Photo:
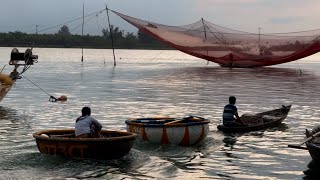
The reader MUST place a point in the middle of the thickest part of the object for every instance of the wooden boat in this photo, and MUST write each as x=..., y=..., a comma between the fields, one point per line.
x=259, y=121
x=165, y=130
x=314, y=150
x=313, y=143
x=112, y=144
x=17, y=59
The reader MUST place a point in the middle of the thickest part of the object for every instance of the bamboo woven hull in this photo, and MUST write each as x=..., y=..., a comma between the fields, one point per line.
x=113, y=145
x=183, y=134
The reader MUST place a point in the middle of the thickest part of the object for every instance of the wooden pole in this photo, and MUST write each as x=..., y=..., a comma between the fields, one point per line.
x=114, y=57
x=82, y=30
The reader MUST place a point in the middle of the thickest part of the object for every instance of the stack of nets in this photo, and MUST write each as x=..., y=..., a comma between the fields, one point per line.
x=5, y=80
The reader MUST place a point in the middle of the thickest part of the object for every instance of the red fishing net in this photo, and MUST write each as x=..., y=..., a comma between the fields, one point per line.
x=229, y=47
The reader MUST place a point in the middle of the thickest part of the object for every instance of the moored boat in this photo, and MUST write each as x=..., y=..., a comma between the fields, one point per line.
x=259, y=121
x=111, y=144
x=164, y=130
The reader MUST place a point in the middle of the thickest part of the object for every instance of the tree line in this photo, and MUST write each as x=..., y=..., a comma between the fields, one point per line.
x=64, y=39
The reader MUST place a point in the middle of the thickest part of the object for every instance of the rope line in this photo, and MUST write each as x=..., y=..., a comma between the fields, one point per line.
x=71, y=21
x=37, y=86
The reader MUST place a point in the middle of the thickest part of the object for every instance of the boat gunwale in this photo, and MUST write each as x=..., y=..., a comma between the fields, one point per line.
x=127, y=136
x=134, y=122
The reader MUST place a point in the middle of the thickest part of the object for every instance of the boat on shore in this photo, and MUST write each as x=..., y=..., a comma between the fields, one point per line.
x=17, y=59
x=111, y=144
x=187, y=131
x=259, y=121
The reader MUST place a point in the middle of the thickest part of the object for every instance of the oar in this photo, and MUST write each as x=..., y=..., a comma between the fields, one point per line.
x=178, y=120
x=298, y=146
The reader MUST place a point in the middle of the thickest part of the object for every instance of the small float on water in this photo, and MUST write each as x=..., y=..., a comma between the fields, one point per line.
x=187, y=131
x=17, y=59
x=259, y=121
x=111, y=144
x=312, y=142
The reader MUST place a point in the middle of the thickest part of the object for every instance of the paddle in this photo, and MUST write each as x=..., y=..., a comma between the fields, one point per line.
x=178, y=120
x=298, y=146
x=193, y=118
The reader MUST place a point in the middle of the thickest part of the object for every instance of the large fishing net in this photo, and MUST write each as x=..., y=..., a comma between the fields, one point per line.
x=229, y=47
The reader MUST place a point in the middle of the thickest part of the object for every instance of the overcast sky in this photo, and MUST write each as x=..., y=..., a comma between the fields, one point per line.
x=246, y=15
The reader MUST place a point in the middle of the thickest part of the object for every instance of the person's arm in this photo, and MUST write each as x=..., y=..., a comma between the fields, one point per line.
x=96, y=123
x=238, y=118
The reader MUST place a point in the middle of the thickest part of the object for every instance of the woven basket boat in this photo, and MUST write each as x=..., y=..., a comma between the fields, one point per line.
x=185, y=132
x=112, y=144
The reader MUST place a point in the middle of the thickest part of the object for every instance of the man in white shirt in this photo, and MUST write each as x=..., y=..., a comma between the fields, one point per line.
x=87, y=126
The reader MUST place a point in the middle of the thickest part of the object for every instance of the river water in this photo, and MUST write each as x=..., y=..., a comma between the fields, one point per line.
x=149, y=83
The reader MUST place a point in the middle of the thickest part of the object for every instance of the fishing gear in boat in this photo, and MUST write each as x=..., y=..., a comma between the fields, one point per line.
x=51, y=97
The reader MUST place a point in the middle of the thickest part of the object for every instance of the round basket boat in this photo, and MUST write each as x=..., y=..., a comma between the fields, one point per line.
x=111, y=144
x=185, y=132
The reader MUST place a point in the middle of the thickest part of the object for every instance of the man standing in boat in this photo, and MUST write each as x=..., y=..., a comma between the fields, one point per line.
x=87, y=126
x=230, y=114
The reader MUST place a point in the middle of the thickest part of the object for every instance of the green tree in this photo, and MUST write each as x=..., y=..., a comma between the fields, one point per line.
x=145, y=38
x=64, y=31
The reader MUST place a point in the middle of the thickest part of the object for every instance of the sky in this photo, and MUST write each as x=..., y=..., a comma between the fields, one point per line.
x=245, y=15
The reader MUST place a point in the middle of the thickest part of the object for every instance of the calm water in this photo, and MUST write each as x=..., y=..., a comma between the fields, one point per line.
x=153, y=83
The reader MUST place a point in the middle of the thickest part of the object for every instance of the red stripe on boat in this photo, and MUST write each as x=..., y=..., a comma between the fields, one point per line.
x=185, y=140
x=144, y=134
x=164, y=139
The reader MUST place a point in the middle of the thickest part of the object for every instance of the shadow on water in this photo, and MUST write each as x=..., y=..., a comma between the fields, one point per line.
x=242, y=73
x=313, y=171
x=62, y=167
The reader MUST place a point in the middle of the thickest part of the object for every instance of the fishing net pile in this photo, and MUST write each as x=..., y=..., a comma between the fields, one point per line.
x=229, y=47
x=6, y=80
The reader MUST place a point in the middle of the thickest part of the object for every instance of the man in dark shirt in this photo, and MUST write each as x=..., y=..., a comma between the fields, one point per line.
x=229, y=111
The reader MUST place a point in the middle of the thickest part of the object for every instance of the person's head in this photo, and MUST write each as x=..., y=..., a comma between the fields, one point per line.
x=232, y=100
x=86, y=111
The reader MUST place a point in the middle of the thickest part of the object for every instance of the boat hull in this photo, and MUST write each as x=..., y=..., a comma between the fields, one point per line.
x=112, y=144
x=4, y=91
x=278, y=115
x=314, y=151
x=181, y=133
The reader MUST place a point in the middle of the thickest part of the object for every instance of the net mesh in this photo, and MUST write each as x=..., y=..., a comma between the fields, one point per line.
x=229, y=47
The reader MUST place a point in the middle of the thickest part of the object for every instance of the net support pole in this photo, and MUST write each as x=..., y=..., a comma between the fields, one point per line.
x=111, y=36
x=204, y=28
x=82, y=30
x=205, y=36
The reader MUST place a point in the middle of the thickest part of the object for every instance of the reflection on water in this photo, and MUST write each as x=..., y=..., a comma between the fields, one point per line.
x=173, y=84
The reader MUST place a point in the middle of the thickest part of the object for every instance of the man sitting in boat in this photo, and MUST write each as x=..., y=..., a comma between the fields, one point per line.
x=87, y=126
x=230, y=111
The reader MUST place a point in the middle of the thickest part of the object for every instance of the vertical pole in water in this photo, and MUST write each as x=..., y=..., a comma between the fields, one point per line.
x=259, y=36
x=205, y=36
x=82, y=30
x=114, y=57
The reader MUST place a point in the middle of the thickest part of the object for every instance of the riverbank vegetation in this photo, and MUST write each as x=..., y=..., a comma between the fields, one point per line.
x=64, y=39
